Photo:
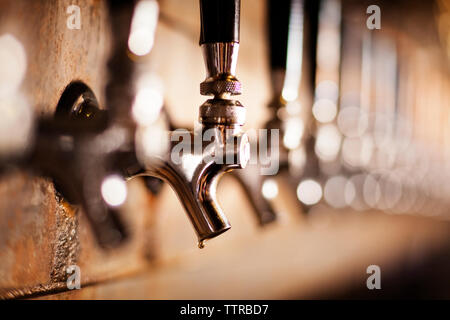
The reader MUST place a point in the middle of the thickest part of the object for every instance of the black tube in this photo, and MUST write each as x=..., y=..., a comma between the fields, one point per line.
x=311, y=11
x=220, y=21
x=278, y=14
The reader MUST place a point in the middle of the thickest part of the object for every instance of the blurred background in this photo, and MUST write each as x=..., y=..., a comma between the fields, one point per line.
x=364, y=150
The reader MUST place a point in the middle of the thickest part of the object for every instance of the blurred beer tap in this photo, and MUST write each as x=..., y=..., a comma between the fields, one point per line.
x=252, y=182
x=76, y=147
x=292, y=37
x=380, y=163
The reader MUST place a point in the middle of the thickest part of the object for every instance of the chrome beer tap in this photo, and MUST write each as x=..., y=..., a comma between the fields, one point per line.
x=249, y=179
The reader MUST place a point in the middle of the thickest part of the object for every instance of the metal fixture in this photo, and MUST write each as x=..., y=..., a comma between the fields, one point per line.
x=250, y=180
x=292, y=33
x=194, y=174
x=91, y=152
x=253, y=185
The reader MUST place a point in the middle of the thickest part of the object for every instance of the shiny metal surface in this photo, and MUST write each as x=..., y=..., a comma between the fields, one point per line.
x=222, y=112
x=194, y=172
x=252, y=182
x=194, y=176
x=250, y=178
x=220, y=58
x=220, y=63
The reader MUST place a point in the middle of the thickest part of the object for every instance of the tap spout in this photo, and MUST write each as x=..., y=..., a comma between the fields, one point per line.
x=197, y=194
x=193, y=167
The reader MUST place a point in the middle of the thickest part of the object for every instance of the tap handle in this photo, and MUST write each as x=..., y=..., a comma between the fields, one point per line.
x=278, y=16
x=219, y=21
